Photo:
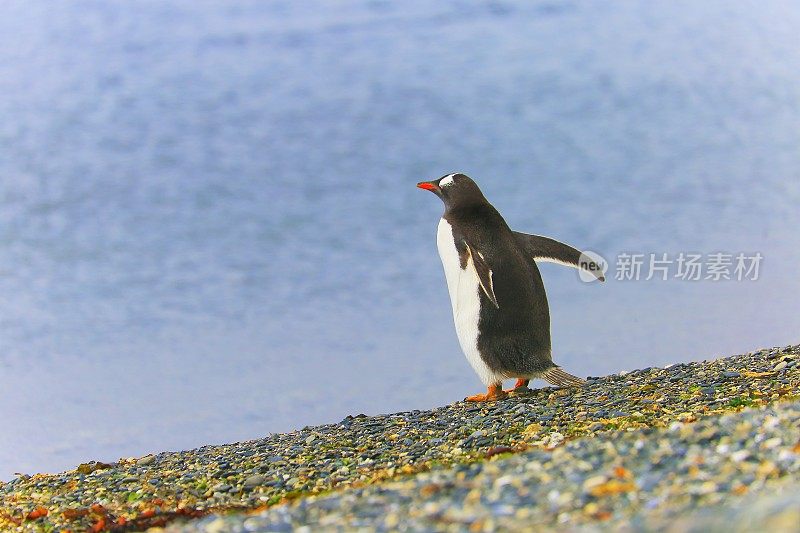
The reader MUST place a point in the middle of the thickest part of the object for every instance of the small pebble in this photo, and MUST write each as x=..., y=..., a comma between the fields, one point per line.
x=254, y=481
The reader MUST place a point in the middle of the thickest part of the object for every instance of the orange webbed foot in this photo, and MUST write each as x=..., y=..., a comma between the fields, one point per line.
x=495, y=392
x=521, y=386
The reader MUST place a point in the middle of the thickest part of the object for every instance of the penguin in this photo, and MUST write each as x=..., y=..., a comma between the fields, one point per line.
x=500, y=308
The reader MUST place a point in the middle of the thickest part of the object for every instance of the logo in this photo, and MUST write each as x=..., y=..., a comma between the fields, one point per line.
x=591, y=266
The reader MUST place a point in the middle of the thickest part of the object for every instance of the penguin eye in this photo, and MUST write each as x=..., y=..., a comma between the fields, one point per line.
x=447, y=180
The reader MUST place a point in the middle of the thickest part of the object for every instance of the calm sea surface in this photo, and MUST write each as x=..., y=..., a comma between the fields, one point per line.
x=209, y=229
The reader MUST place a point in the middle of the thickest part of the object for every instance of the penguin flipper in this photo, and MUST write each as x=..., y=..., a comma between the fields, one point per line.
x=484, y=273
x=546, y=249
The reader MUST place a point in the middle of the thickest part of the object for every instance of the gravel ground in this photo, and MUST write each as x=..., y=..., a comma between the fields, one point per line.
x=774, y=510
x=362, y=453
x=640, y=481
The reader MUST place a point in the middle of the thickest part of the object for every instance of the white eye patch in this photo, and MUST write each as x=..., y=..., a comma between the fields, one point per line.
x=447, y=180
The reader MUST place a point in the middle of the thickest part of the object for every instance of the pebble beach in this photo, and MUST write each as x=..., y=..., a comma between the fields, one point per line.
x=689, y=446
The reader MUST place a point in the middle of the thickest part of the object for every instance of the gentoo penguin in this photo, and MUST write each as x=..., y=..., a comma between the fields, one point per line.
x=499, y=304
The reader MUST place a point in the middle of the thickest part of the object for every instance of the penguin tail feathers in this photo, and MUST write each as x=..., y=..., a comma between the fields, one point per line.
x=559, y=378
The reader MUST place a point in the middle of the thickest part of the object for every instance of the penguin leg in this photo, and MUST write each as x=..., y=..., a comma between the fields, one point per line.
x=494, y=392
x=520, y=384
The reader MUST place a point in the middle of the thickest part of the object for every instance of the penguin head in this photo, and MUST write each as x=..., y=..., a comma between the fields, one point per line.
x=455, y=190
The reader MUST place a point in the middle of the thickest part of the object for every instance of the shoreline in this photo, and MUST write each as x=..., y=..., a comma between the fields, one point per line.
x=362, y=454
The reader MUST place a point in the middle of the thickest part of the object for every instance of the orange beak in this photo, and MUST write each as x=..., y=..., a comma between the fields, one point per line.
x=428, y=186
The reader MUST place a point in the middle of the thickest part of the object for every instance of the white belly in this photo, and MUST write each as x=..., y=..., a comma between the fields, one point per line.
x=464, y=289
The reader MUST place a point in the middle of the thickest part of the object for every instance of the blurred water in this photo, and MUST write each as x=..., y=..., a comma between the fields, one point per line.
x=209, y=228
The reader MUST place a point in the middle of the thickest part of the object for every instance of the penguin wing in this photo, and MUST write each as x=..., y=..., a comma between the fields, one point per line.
x=484, y=272
x=546, y=249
